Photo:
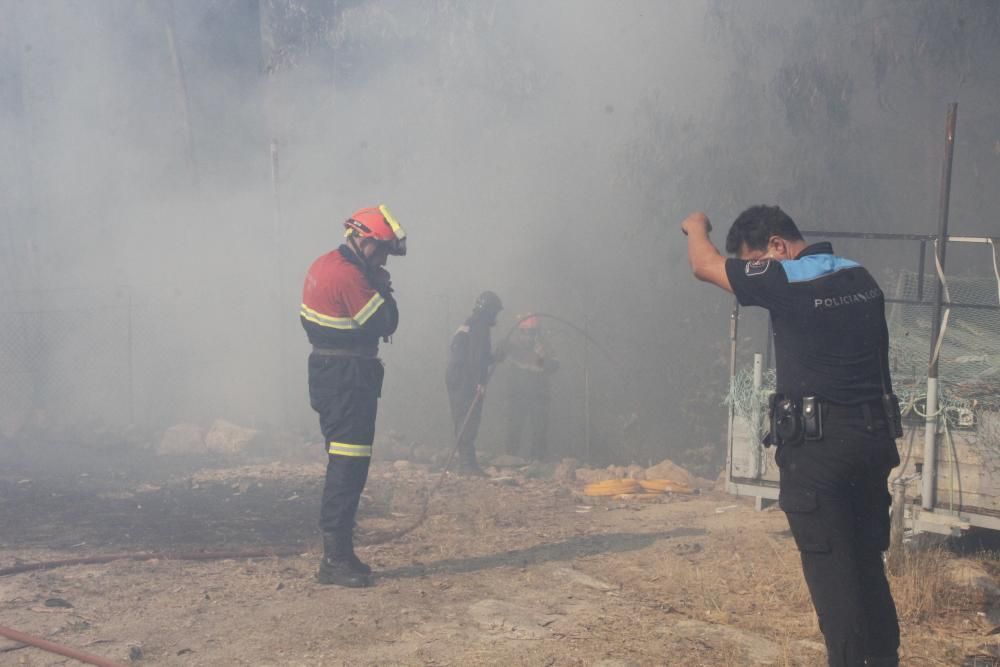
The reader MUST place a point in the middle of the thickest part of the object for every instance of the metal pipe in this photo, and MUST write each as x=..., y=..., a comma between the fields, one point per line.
x=131, y=357
x=758, y=448
x=769, y=346
x=929, y=480
x=871, y=235
x=920, y=271
x=974, y=239
x=734, y=319
x=947, y=304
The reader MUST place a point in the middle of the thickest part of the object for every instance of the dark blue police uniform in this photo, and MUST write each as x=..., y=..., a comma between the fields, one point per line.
x=831, y=342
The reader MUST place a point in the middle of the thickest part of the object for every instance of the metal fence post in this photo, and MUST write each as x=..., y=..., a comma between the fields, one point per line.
x=929, y=481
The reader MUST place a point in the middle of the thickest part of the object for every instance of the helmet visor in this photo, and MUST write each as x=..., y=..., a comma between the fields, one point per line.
x=396, y=246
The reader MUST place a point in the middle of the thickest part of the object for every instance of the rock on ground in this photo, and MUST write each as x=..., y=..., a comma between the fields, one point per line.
x=760, y=650
x=566, y=470
x=582, y=579
x=510, y=619
x=508, y=461
x=667, y=469
x=228, y=438
x=182, y=439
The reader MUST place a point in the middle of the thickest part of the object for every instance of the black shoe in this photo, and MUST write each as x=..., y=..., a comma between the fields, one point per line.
x=358, y=565
x=338, y=552
x=890, y=661
x=340, y=573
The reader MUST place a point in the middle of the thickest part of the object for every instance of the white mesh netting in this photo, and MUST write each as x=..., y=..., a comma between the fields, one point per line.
x=969, y=358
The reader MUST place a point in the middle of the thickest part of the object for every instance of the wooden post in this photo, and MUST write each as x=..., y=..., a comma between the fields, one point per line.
x=268, y=65
x=894, y=559
x=182, y=95
x=586, y=397
x=279, y=267
x=19, y=251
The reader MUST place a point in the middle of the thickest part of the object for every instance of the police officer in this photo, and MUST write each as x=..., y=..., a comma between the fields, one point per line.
x=470, y=355
x=834, y=416
x=347, y=306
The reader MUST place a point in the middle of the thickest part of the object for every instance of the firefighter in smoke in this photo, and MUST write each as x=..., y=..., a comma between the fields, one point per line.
x=531, y=365
x=347, y=306
x=470, y=357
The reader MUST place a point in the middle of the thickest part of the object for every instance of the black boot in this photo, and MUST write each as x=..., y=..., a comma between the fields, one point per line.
x=890, y=661
x=331, y=544
x=468, y=465
x=339, y=565
x=470, y=469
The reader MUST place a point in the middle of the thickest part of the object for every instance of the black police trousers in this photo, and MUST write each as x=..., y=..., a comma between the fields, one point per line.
x=344, y=391
x=834, y=493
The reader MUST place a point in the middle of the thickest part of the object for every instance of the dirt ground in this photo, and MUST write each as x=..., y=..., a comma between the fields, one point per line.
x=506, y=571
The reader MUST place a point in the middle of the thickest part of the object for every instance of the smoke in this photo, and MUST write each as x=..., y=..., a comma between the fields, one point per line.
x=182, y=163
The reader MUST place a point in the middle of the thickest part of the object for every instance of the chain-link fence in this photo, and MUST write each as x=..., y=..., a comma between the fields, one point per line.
x=967, y=460
x=969, y=366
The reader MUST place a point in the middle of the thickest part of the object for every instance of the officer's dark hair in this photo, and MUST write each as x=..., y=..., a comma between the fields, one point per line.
x=756, y=225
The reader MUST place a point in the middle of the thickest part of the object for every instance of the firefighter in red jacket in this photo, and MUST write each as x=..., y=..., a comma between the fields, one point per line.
x=528, y=385
x=347, y=306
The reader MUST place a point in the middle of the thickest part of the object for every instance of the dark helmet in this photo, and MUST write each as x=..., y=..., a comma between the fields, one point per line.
x=488, y=304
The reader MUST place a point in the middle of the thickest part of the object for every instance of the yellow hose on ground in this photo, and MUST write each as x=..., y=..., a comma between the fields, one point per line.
x=664, y=486
x=640, y=496
x=612, y=487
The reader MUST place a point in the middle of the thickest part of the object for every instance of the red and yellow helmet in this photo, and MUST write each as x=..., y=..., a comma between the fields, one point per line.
x=528, y=321
x=377, y=223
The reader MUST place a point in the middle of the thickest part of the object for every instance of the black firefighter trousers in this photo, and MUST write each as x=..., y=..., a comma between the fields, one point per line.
x=835, y=496
x=527, y=401
x=344, y=390
x=461, y=401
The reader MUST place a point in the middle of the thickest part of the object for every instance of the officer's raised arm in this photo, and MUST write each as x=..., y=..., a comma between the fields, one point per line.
x=707, y=263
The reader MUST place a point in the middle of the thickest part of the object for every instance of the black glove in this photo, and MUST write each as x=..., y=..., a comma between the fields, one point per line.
x=381, y=281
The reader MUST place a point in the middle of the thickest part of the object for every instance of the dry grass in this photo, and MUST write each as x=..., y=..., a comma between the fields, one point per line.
x=923, y=589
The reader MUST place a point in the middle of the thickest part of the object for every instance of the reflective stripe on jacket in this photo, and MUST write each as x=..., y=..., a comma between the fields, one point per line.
x=341, y=307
